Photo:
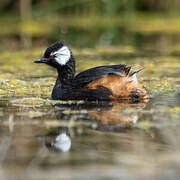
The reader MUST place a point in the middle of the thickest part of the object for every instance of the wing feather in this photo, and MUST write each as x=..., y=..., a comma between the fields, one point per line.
x=92, y=74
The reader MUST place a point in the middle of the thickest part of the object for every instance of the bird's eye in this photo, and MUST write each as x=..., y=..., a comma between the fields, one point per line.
x=51, y=56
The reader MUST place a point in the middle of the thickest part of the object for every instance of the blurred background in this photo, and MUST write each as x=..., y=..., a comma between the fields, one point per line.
x=144, y=24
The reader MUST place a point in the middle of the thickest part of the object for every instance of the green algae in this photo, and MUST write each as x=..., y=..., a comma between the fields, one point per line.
x=32, y=83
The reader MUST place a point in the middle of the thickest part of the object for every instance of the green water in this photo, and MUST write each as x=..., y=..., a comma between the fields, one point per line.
x=102, y=141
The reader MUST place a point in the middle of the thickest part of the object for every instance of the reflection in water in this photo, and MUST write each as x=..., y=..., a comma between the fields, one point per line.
x=126, y=139
x=108, y=116
x=121, y=115
x=60, y=142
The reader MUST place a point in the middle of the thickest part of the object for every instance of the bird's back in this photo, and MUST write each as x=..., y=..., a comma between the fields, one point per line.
x=107, y=83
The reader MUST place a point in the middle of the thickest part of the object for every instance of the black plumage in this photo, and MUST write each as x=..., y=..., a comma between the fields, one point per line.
x=84, y=85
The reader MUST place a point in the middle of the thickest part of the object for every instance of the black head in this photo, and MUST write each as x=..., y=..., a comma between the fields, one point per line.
x=56, y=55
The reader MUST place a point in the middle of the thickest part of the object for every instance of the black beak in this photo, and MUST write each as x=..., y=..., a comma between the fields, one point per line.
x=41, y=60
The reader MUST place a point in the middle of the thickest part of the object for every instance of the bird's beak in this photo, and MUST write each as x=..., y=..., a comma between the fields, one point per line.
x=41, y=60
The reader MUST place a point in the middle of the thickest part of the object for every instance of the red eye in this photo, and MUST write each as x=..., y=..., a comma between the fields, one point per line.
x=51, y=56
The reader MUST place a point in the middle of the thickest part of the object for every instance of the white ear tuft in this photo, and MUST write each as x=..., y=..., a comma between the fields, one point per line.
x=62, y=55
x=134, y=77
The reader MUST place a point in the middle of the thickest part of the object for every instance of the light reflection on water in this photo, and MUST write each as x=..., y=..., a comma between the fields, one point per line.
x=119, y=141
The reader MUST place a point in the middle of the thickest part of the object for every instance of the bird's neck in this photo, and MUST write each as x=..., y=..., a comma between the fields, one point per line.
x=67, y=71
x=65, y=74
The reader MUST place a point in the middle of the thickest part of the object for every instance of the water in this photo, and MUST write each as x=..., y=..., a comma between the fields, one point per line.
x=88, y=141
x=44, y=139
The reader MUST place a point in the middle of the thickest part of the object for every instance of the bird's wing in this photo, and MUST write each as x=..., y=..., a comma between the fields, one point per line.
x=85, y=77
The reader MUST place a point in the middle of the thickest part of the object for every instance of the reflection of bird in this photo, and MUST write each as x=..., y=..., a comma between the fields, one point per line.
x=107, y=116
x=62, y=142
x=59, y=142
x=103, y=116
x=121, y=115
x=103, y=83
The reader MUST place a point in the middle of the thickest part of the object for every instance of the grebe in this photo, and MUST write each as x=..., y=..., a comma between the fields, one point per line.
x=102, y=83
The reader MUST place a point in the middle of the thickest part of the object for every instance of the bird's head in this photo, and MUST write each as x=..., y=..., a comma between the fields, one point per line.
x=56, y=55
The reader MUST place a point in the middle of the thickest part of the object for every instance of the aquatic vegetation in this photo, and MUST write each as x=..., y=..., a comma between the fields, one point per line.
x=23, y=79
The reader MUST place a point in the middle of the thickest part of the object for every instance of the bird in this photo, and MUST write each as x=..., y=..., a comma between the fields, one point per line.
x=102, y=83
